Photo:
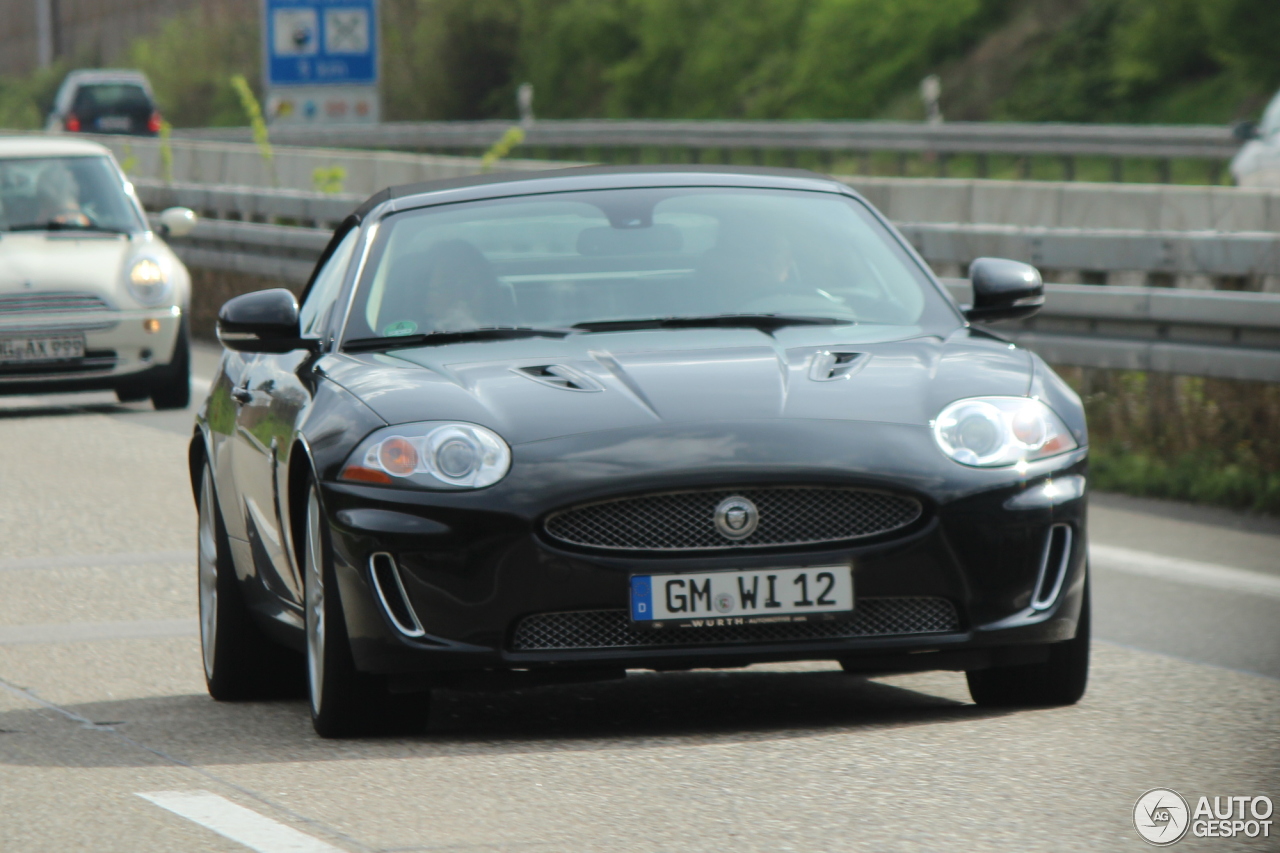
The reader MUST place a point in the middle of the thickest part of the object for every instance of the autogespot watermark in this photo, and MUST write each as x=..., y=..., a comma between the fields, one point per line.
x=1162, y=817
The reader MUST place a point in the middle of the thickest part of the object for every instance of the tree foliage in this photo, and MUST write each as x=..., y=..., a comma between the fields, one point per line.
x=191, y=59
x=1152, y=60
x=1049, y=60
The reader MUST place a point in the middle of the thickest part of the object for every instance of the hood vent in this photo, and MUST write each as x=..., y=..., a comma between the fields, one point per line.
x=559, y=376
x=828, y=366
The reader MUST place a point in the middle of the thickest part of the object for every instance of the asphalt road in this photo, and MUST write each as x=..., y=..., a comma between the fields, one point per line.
x=102, y=701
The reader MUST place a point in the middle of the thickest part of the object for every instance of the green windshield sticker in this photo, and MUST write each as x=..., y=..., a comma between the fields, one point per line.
x=402, y=327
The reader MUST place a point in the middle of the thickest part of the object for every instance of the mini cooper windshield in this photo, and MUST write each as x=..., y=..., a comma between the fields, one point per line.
x=617, y=260
x=64, y=193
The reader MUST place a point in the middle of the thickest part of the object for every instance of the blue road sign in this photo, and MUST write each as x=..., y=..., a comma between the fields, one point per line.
x=321, y=42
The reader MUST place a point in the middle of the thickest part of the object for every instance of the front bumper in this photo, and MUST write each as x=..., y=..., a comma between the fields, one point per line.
x=119, y=349
x=475, y=577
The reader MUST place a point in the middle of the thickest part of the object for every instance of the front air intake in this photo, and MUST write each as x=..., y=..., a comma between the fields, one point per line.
x=390, y=589
x=1053, y=566
x=686, y=521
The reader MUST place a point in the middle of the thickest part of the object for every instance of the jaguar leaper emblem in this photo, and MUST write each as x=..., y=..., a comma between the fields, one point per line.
x=736, y=517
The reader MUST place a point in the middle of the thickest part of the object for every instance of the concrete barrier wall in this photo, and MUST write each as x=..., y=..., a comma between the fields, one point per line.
x=1139, y=207
x=1147, y=207
x=239, y=163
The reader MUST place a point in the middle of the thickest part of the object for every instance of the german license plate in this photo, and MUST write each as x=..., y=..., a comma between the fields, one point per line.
x=114, y=123
x=713, y=599
x=41, y=348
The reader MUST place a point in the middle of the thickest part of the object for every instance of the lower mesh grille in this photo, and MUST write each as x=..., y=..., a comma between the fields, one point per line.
x=611, y=629
x=45, y=303
x=93, y=361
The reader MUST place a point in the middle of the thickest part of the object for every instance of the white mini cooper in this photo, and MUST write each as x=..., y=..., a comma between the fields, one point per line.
x=90, y=297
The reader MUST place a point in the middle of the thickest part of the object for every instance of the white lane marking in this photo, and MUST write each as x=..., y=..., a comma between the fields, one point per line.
x=1178, y=570
x=94, y=561
x=84, y=632
x=238, y=823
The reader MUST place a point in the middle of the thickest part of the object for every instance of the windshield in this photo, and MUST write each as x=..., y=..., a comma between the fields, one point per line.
x=50, y=193
x=95, y=98
x=563, y=260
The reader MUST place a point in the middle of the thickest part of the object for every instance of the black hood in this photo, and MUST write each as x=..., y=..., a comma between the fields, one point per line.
x=535, y=389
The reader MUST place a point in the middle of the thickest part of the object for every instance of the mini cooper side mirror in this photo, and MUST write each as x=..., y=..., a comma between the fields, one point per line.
x=177, y=222
x=1243, y=131
x=1004, y=290
x=263, y=321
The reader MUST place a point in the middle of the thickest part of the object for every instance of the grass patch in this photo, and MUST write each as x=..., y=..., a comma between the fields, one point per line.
x=1211, y=441
x=1207, y=477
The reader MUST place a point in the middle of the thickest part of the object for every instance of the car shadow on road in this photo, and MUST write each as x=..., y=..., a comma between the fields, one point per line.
x=643, y=711
x=15, y=411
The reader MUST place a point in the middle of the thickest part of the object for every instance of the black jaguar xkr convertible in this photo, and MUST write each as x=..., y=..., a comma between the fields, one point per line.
x=552, y=427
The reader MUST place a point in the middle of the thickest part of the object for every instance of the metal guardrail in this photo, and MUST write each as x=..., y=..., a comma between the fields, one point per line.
x=1200, y=333
x=1214, y=253
x=1191, y=332
x=251, y=204
x=282, y=252
x=1200, y=141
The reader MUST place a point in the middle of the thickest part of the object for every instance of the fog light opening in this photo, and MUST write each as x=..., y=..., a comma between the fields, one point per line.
x=391, y=592
x=1053, y=566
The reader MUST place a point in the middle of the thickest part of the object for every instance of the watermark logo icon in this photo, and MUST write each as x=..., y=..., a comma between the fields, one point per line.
x=1161, y=816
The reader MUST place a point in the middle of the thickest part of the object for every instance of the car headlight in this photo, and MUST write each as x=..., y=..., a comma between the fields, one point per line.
x=147, y=281
x=430, y=454
x=988, y=432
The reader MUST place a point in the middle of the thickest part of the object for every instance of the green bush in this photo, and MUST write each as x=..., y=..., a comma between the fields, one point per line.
x=1206, y=440
x=192, y=75
x=25, y=102
x=1210, y=477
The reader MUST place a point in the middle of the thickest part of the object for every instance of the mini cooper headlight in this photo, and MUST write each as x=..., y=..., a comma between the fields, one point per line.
x=429, y=454
x=988, y=432
x=147, y=281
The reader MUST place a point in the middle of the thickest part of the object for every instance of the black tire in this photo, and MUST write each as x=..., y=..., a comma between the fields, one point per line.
x=174, y=390
x=1061, y=680
x=239, y=661
x=344, y=701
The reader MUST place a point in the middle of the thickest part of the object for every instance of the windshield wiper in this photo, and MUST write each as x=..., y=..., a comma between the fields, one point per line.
x=767, y=323
x=66, y=226
x=496, y=333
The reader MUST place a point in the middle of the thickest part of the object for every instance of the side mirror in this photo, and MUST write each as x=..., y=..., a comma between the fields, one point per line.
x=263, y=321
x=1244, y=131
x=1004, y=290
x=177, y=222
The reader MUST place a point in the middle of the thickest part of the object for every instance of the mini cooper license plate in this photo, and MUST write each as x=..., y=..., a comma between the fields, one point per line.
x=713, y=599
x=41, y=348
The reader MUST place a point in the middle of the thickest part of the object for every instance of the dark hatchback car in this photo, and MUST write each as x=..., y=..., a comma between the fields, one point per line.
x=115, y=101
x=553, y=427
